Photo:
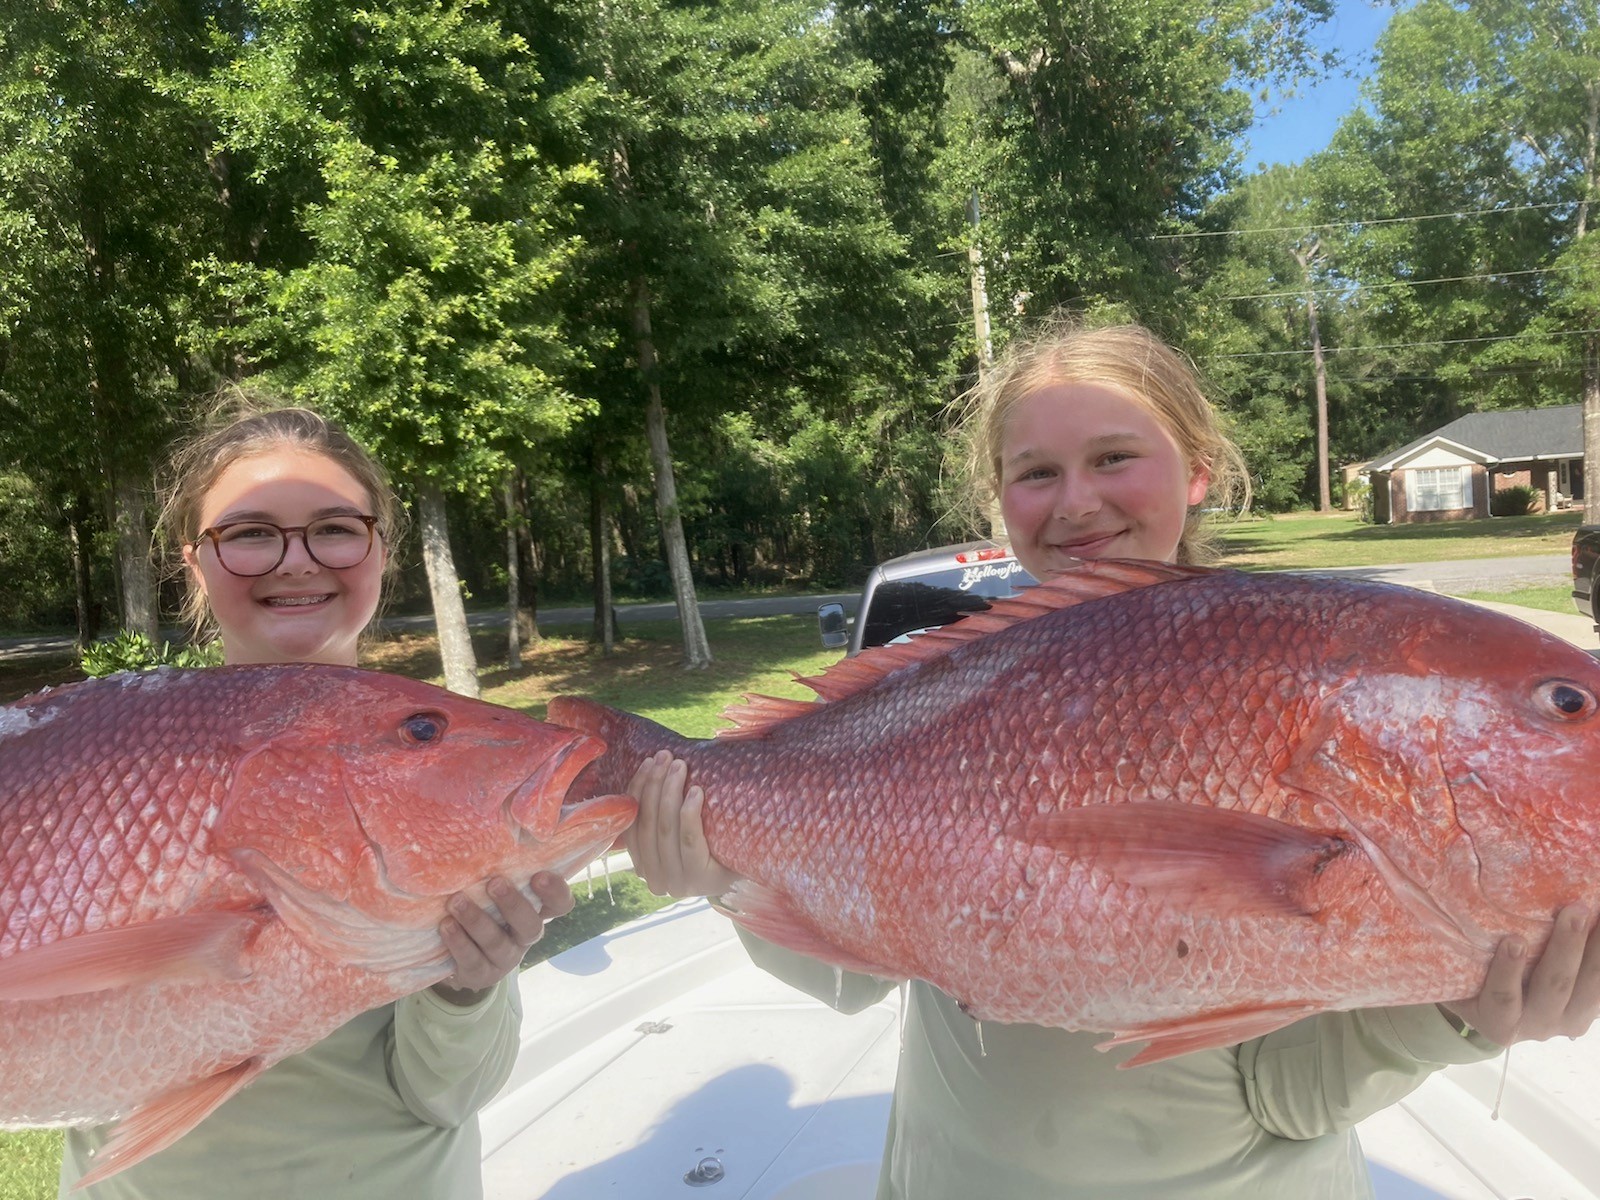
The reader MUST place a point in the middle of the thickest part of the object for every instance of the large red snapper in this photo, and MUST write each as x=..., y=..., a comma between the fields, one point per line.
x=1179, y=805
x=203, y=872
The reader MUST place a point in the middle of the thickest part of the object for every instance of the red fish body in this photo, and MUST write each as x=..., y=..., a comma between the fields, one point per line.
x=1179, y=805
x=203, y=872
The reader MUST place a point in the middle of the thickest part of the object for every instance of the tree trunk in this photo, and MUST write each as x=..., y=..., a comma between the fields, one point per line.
x=449, y=613
x=135, y=568
x=513, y=580
x=1591, y=430
x=696, y=649
x=82, y=603
x=600, y=555
x=1319, y=370
x=1591, y=344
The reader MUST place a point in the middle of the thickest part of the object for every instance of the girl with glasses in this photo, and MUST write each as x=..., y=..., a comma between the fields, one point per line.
x=286, y=526
x=1100, y=444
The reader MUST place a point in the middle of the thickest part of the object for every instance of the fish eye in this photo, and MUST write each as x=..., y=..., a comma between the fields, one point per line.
x=421, y=728
x=1566, y=700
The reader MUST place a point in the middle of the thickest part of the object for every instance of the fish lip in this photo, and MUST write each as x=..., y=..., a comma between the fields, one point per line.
x=531, y=821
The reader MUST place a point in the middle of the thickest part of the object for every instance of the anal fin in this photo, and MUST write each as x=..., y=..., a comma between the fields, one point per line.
x=156, y=1125
x=1169, y=1039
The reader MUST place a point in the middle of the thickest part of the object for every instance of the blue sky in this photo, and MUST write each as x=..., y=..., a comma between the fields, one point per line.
x=1304, y=124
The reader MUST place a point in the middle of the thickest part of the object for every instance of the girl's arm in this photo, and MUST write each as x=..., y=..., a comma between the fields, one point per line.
x=1326, y=1073
x=452, y=1046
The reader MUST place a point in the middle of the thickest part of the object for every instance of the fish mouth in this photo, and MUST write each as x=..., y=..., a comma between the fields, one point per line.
x=531, y=815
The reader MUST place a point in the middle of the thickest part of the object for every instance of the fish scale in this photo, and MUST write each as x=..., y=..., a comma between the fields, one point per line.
x=1166, y=803
x=203, y=872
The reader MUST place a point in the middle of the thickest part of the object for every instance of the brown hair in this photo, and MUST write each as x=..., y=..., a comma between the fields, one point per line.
x=243, y=425
x=1130, y=360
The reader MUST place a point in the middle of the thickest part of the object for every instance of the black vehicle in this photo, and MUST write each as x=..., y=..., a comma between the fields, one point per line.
x=922, y=590
x=1586, y=570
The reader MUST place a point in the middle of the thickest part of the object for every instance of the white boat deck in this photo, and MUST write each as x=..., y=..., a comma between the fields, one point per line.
x=659, y=1046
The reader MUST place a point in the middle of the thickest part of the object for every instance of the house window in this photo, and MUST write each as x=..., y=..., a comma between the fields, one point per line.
x=1436, y=489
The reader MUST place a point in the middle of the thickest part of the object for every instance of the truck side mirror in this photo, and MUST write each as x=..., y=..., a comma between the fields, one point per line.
x=834, y=626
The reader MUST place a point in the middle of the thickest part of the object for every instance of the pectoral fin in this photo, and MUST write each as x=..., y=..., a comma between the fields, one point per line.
x=193, y=948
x=1230, y=863
x=156, y=1125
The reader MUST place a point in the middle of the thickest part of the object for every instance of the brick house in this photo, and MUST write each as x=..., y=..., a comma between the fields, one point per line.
x=1454, y=472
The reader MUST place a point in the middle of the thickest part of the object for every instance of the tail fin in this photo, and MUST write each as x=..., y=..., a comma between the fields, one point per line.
x=629, y=740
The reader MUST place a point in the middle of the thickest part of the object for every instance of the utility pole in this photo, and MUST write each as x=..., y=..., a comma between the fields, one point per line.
x=980, y=295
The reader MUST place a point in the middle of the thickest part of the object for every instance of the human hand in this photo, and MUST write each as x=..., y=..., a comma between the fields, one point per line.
x=667, y=841
x=486, y=950
x=1559, y=995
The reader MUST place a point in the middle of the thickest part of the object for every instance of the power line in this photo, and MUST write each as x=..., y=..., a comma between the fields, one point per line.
x=1373, y=287
x=1512, y=337
x=1471, y=212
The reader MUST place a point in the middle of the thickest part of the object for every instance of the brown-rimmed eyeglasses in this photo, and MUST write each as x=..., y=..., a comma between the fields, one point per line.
x=251, y=548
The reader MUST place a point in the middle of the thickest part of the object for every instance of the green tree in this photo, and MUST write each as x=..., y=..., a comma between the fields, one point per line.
x=421, y=315
x=1477, y=147
x=1090, y=129
x=741, y=245
x=105, y=197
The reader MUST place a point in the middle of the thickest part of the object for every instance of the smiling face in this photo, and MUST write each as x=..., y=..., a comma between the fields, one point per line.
x=300, y=611
x=1086, y=472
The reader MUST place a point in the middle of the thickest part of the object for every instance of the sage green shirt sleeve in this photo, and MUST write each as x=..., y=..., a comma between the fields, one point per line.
x=843, y=990
x=1326, y=1073
x=447, y=1061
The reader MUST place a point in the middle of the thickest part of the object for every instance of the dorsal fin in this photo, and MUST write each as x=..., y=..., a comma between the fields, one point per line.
x=760, y=713
x=1093, y=580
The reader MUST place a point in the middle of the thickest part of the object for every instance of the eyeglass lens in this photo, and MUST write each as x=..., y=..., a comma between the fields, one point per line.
x=254, y=548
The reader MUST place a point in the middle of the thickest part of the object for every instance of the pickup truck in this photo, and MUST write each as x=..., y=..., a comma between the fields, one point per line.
x=1586, y=570
x=923, y=590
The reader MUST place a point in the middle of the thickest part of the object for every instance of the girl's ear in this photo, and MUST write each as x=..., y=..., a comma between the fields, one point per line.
x=191, y=563
x=1199, y=482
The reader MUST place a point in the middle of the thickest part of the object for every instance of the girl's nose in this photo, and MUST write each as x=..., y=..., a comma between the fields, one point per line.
x=297, y=558
x=1076, y=498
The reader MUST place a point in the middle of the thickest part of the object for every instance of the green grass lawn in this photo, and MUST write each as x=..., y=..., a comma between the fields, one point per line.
x=29, y=1164
x=1342, y=540
x=1555, y=598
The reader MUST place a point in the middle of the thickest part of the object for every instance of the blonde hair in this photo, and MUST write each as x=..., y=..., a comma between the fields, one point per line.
x=243, y=425
x=1130, y=360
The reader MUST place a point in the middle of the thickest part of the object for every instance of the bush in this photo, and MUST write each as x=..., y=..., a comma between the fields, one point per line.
x=130, y=651
x=1516, y=501
x=1360, y=491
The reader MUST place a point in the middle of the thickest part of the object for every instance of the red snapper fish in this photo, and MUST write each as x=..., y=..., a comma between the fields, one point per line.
x=203, y=872
x=1183, y=806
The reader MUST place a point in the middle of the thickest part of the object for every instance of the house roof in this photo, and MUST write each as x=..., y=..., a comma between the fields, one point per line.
x=1502, y=435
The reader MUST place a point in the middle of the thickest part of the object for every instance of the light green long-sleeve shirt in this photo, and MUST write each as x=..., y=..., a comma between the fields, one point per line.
x=1030, y=1113
x=385, y=1107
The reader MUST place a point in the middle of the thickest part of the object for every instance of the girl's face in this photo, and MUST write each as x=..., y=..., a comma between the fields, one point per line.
x=300, y=611
x=1086, y=472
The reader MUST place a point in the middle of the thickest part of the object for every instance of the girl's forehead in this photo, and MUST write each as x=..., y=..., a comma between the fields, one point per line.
x=286, y=480
x=1089, y=408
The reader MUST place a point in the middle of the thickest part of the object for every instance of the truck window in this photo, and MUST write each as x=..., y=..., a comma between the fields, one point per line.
x=933, y=598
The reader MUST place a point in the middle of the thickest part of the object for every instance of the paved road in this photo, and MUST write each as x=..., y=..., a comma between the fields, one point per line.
x=760, y=606
x=1491, y=574
x=1486, y=573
